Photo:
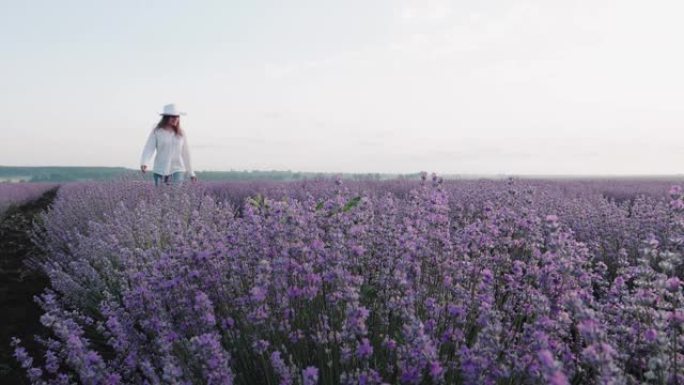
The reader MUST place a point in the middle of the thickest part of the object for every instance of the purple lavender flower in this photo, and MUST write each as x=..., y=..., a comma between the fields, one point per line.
x=364, y=350
x=310, y=375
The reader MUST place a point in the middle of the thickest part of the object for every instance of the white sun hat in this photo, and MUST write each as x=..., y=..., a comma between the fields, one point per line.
x=172, y=110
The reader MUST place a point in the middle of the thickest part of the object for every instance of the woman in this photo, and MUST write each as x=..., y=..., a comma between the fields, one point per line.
x=171, y=145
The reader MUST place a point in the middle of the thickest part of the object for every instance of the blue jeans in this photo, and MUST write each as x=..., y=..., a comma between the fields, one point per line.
x=175, y=178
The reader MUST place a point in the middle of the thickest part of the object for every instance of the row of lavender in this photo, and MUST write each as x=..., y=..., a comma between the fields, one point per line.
x=476, y=282
x=12, y=194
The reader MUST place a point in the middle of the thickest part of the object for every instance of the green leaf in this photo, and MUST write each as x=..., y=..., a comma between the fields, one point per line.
x=351, y=204
x=258, y=201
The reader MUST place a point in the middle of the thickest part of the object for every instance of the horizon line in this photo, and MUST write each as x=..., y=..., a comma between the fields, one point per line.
x=443, y=175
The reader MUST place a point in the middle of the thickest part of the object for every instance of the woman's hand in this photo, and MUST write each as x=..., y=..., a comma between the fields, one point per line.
x=143, y=168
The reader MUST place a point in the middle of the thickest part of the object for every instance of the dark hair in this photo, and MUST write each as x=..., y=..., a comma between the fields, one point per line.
x=165, y=122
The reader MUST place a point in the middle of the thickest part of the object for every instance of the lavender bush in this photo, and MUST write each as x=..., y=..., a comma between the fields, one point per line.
x=19, y=193
x=324, y=282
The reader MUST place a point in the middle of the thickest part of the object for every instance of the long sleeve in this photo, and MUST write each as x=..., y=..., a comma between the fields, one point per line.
x=148, y=151
x=185, y=153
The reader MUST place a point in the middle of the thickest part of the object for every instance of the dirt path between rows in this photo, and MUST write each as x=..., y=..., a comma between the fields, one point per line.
x=19, y=314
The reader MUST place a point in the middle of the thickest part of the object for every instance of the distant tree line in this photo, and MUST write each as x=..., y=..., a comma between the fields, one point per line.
x=74, y=174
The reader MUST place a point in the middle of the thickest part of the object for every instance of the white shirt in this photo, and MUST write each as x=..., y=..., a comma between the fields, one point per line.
x=173, y=154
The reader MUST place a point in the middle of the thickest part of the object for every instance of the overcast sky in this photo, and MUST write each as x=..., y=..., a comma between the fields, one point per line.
x=486, y=86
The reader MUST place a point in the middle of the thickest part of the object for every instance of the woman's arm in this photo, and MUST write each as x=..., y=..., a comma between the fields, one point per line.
x=185, y=153
x=148, y=151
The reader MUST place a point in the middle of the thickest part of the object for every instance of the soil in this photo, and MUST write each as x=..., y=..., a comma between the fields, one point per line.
x=19, y=283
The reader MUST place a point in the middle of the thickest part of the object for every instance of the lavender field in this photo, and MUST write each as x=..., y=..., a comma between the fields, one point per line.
x=339, y=282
